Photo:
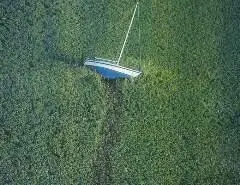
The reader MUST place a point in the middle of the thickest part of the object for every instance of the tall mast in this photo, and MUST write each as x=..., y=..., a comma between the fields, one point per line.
x=129, y=28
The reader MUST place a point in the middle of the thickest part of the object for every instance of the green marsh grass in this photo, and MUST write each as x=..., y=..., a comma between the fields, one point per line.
x=176, y=124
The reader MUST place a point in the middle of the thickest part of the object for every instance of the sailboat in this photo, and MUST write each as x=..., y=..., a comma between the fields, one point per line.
x=110, y=69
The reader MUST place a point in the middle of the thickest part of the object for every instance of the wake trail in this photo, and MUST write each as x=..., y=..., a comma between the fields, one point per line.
x=110, y=135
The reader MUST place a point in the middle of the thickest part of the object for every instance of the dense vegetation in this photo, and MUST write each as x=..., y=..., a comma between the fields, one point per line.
x=179, y=123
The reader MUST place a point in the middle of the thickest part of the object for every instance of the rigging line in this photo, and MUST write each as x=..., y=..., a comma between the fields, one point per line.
x=139, y=33
x=125, y=41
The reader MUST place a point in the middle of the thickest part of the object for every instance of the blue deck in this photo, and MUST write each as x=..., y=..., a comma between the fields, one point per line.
x=108, y=73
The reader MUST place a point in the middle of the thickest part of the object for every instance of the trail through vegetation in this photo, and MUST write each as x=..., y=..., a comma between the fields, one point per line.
x=109, y=135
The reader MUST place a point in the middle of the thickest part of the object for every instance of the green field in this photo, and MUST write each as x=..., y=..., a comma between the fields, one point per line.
x=179, y=123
